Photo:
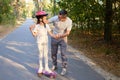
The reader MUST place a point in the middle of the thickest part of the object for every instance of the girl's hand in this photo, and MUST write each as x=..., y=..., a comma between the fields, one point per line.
x=31, y=29
x=34, y=34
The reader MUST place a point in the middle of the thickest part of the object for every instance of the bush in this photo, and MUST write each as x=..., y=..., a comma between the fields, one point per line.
x=7, y=12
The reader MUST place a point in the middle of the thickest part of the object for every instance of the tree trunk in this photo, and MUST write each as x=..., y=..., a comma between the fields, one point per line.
x=108, y=21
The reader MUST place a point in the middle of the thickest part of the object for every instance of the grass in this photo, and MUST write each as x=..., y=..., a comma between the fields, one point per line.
x=94, y=47
x=7, y=28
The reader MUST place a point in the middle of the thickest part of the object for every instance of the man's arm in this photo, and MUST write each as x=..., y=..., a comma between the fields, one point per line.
x=52, y=19
x=64, y=35
x=67, y=31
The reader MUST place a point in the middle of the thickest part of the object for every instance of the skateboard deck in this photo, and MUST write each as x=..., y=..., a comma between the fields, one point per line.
x=50, y=75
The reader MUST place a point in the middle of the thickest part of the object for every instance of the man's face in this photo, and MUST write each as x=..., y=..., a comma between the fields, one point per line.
x=62, y=17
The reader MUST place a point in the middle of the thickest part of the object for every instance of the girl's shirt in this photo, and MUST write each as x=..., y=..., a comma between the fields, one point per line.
x=42, y=35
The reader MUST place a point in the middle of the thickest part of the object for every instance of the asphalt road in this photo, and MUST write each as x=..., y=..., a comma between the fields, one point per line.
x=19, y=59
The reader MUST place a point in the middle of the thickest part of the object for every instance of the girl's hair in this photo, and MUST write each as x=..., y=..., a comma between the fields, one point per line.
x=40, y=19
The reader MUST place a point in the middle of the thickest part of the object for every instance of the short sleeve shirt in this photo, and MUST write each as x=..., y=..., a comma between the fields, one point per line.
x=41, y=32
x=59, y=26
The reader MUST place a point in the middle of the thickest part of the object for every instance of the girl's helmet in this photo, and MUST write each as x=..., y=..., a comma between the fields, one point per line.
x=41, y=13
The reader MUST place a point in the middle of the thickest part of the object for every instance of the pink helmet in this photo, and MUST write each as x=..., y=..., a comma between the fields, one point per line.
x=41, y=13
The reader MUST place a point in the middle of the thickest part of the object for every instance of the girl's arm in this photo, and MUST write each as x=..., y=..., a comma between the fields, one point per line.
x=32, y=29
x=51, y=34
x=49, y=31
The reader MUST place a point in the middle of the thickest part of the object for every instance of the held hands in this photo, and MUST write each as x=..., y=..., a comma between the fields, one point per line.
x=57, y=36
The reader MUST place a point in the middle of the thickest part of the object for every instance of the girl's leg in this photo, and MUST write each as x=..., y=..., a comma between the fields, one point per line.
x=40, y=48
x=46, y=57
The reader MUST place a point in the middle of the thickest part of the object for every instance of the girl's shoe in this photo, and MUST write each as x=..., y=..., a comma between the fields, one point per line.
x=39, y=74
x=48, y=70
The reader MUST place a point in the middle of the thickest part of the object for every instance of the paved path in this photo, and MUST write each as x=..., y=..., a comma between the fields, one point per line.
x=19, y=59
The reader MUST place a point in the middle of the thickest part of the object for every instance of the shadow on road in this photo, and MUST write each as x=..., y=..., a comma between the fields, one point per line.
x=19, y=59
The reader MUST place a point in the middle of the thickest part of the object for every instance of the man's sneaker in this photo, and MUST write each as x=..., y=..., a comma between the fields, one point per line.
x=54, y=68
x=63, y=71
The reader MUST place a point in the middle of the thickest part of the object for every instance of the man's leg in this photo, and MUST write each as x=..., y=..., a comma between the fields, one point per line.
x=54, y=49
x=63, y=48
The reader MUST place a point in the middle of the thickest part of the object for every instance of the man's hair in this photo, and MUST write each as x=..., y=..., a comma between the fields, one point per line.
x=63, y=12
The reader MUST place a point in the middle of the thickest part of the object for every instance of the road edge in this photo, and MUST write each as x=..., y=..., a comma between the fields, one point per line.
x=88, y=61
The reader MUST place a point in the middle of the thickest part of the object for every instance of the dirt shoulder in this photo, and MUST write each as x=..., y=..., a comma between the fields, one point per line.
x=4, y=30
x=104, y=55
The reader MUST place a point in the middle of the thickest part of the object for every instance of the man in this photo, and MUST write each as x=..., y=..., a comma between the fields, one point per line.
x=62, y=27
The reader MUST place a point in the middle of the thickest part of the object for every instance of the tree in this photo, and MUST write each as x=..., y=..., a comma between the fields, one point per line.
x=108, y=21
x=6, y=12
x=94, y=17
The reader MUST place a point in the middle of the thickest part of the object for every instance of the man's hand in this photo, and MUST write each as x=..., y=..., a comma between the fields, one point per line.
x=58, y=36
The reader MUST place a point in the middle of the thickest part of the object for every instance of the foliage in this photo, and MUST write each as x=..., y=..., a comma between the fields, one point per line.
x=84, y=13
x=10, y=10
x=6, y=13
x=89, y=15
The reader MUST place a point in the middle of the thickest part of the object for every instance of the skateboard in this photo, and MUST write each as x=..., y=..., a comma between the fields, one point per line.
x=50, y=75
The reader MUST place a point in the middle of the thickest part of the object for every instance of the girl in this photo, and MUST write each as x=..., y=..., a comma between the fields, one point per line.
x=40, y=32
